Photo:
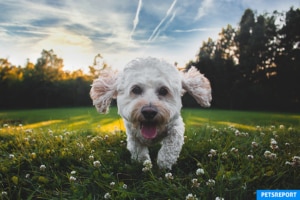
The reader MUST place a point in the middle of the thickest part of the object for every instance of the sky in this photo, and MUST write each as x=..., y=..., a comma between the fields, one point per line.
x=120, y=30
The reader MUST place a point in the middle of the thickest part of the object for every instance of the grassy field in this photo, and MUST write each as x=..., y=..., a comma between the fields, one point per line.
x=76, y=153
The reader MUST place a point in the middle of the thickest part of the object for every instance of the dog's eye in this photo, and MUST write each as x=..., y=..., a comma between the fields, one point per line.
x=163, y=91
x=136, y=90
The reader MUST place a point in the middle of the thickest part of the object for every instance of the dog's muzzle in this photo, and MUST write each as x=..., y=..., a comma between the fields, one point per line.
x=149, y=126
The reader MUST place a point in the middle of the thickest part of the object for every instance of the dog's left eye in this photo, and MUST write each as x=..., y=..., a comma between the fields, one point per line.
x=163, y=91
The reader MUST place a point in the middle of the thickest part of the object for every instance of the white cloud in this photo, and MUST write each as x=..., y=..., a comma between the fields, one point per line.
x=204, y=8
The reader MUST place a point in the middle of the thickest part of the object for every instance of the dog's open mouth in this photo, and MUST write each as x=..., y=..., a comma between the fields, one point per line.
x=149, y=130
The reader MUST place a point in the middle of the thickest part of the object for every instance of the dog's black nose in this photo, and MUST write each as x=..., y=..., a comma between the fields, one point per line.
x=149, y=112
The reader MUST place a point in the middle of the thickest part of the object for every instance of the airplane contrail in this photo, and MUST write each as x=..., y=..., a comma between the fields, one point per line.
x=156, y=30
x=136, y=19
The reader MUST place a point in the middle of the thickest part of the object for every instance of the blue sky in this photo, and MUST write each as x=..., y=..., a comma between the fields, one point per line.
x=120, y=30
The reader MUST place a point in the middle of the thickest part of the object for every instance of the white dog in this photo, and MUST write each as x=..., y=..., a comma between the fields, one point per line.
x=148, y=94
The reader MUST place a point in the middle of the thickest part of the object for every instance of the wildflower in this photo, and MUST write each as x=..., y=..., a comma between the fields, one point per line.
x=273, y=144
x=27, y=175
x=112, y=184
x=169, y=176
x=106, y=137
x=4, y=193
x=73, y=172
x=107, y=196
x=195, y=182
x=213, y=152
x=72, y=178
x=147, y=165
x=254, y=144
x=234, y=150
x=42, y=167
x=191, y=197
x=211, y=182
x=199, y=171
x=97, y=163
x=91, y=157
x=5, y=126
x=287, y=144
x=224, y=155
x=33, y=155
x=219, y=198
x=28, y=131
x=296, y=161
x=281, y=126
x=11, y=156
x=269, y=155
x=250, y=157
x=124, y=186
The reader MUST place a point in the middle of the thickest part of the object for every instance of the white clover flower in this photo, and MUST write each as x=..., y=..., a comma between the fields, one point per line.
x=112, y=184
x=97, y=163
x=42, y=167
x=107, y=196
x=269, y=155
x=281, y=126
x=72, y=178
x=273, y=143
x=147, y=165
x=210, y=182
x=11, y=156
x=91, y=157
x=73, y=172
x=191, y=197
x=254, y=144
x=213, y=152
x=224, y=155
x=124, y=186
x=169, y=176
x=195, y=182
x=3, y=193
x=250, y=157
x=234, y=150
x=199, y=171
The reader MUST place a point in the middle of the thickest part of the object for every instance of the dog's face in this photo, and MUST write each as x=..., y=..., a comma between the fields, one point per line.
x=148, y=93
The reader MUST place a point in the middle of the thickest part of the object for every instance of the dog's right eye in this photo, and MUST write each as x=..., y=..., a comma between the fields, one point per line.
x=136, y=90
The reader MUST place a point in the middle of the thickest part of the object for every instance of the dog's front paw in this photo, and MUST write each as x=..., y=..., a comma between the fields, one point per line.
x=164, y=162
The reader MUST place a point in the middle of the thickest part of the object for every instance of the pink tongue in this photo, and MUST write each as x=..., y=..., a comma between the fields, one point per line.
x=149, y=131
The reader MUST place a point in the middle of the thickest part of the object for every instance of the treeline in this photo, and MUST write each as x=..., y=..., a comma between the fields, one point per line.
x=253, y=66
x=44, y=84
x=257, y=65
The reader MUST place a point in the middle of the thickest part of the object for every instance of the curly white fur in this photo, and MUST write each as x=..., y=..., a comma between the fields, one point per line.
x=148, y=94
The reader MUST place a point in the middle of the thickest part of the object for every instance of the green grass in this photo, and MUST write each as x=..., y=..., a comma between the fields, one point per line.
x=230, y=146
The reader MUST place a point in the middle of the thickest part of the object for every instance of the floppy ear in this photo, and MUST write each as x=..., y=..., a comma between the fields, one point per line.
x=198, y=86
x=104, y=89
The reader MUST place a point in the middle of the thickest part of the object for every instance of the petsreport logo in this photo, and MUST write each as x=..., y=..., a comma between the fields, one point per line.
x=278, y=194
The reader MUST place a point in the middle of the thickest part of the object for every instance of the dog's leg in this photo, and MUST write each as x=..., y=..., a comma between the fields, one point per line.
x=138, y=151
x=171, y=145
